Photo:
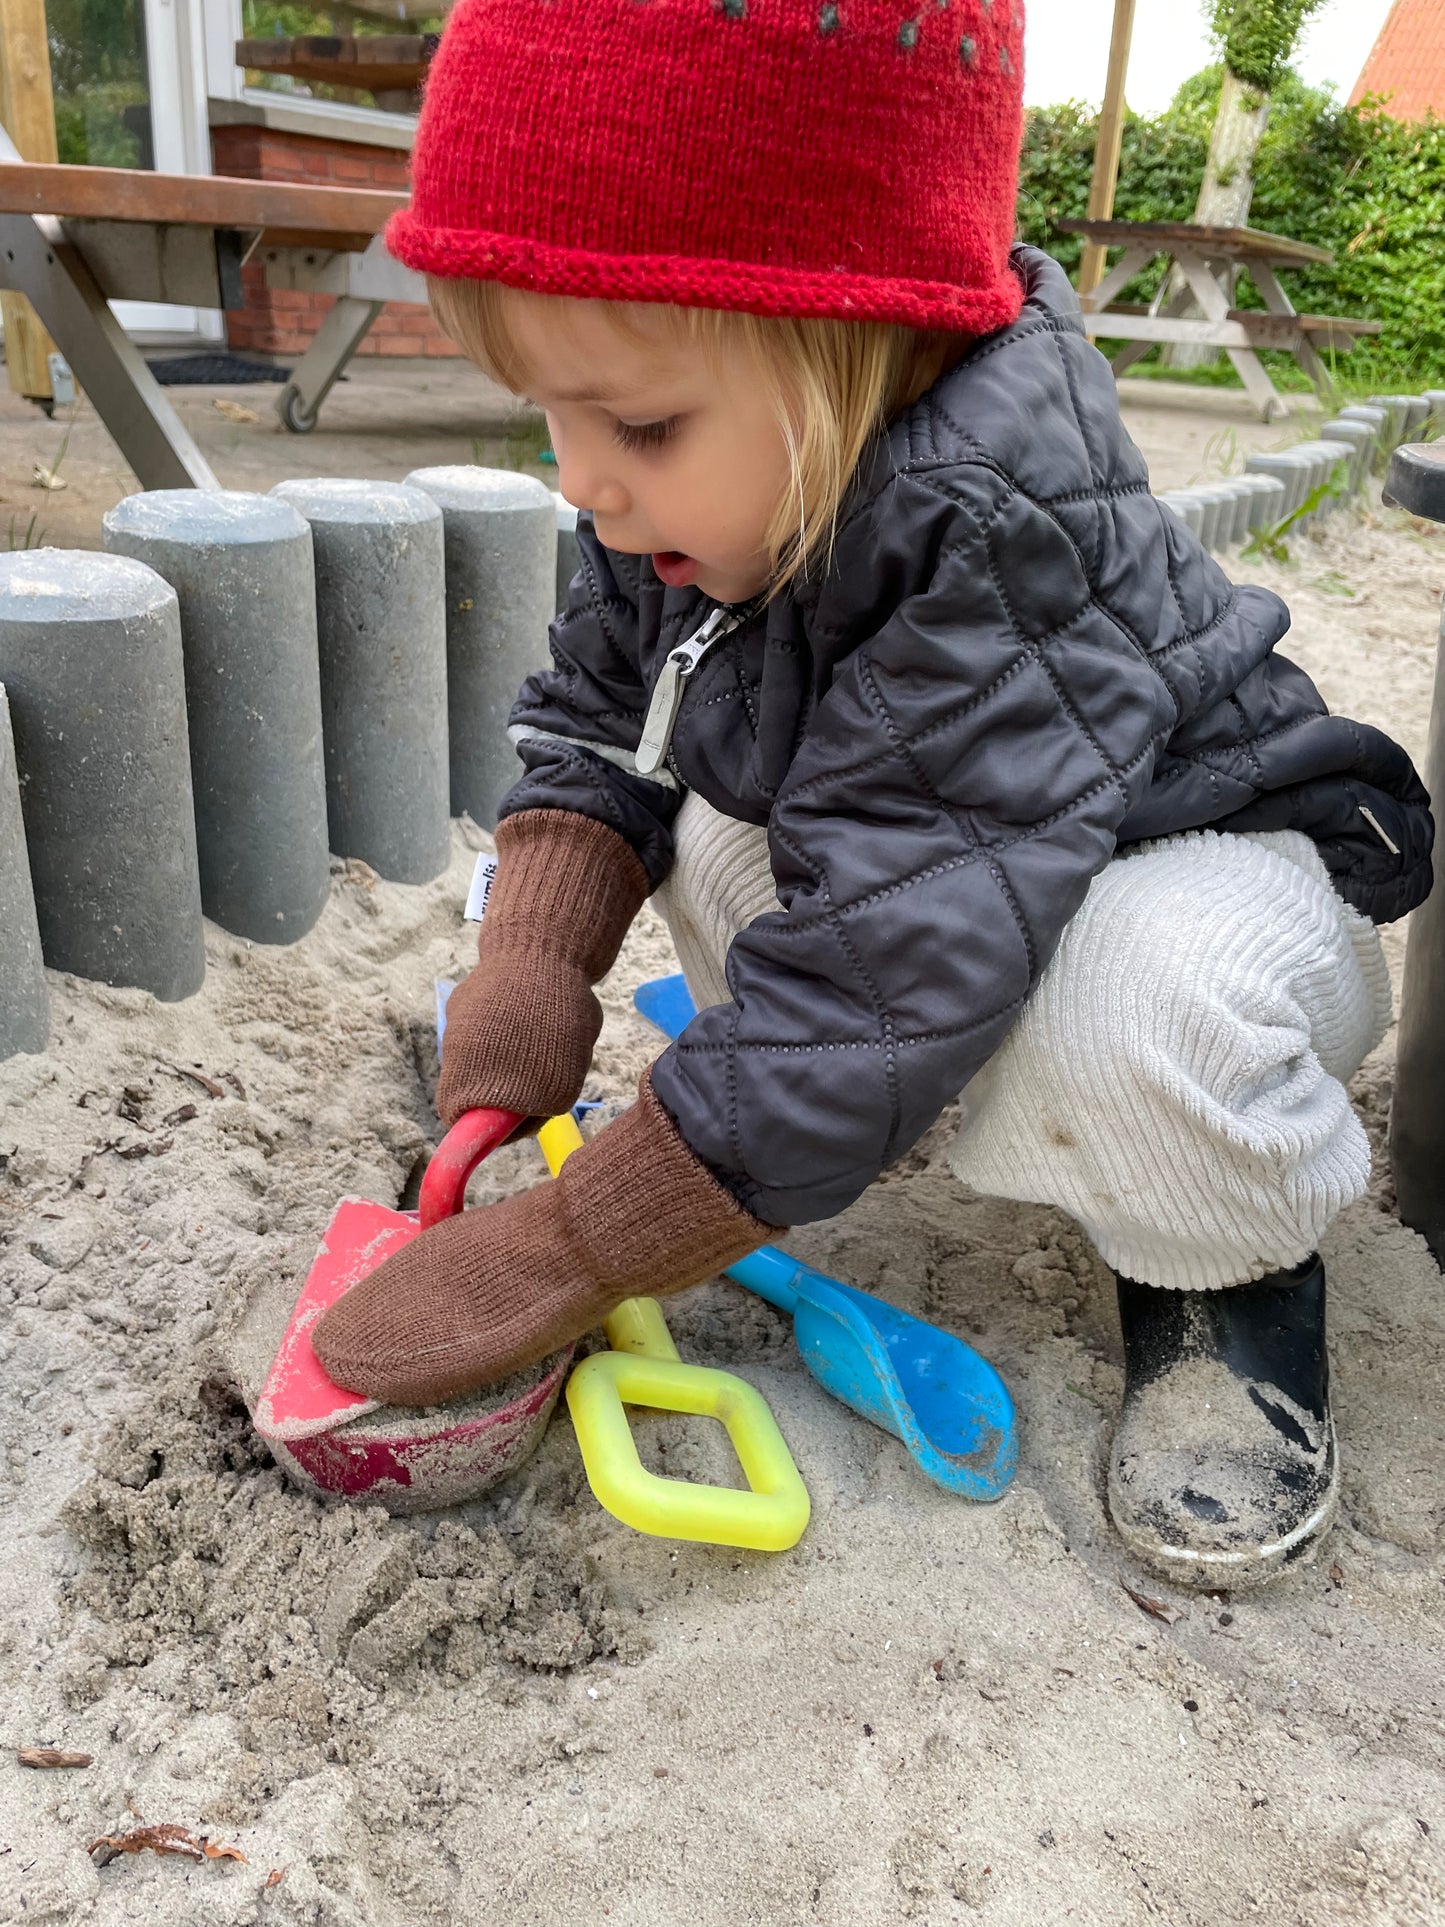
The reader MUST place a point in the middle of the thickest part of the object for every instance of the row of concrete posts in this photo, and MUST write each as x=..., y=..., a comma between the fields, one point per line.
x=1312, y=479
x=241, y=686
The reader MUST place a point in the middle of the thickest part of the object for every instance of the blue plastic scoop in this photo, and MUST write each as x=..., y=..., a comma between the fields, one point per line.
x=949, y=1407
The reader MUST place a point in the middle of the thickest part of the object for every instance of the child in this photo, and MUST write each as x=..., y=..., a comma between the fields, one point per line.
x=956, y=763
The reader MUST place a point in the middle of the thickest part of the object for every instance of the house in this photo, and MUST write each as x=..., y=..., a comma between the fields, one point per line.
x=1407, y=62
x=158, y=84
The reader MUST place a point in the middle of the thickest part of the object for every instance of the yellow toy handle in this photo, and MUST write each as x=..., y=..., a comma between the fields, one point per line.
x=637, y=1325
x=643, y=1368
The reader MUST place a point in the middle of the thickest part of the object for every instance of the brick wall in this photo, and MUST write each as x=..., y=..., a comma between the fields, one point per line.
x=281, y=321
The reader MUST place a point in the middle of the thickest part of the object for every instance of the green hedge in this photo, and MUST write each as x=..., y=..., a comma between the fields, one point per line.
x=1350, y=179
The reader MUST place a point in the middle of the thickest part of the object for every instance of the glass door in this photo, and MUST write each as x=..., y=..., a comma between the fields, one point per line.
x=129, y=88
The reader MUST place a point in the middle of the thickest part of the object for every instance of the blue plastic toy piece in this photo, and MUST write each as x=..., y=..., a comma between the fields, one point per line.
x=666, y=1002
x=948, y=1405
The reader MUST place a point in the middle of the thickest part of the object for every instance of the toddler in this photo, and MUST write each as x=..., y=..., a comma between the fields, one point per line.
x=956, y=764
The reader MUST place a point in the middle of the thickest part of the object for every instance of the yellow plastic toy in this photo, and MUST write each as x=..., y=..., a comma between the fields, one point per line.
x=643, y=1368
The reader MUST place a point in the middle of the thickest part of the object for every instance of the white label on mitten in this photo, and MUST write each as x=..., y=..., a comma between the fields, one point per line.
x=483, y=877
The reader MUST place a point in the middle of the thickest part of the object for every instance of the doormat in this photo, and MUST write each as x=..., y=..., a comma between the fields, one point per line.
x=195, y=371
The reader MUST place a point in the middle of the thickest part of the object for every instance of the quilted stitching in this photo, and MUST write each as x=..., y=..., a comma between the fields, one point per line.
x=1017, y=661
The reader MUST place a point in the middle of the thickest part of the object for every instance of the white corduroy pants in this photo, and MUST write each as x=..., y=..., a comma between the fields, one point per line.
x=1176, y=1083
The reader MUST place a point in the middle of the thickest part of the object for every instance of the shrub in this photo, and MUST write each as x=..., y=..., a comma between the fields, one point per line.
x=1350, y=179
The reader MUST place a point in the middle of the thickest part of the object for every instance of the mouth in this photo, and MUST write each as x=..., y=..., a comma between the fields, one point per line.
x=677, y=570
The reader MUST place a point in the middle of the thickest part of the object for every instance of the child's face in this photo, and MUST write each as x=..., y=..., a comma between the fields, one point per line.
x=674, y=461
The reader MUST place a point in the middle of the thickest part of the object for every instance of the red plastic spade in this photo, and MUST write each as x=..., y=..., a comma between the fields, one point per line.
x=331, y=1438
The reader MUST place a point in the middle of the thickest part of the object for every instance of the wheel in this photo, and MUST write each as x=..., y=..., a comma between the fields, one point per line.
x=293, y=415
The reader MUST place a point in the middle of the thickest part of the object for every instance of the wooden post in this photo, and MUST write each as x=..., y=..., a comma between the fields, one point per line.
x=27, y=112
x=1106, y=148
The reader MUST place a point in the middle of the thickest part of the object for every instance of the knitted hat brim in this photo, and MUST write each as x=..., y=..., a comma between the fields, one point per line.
x=456, y=254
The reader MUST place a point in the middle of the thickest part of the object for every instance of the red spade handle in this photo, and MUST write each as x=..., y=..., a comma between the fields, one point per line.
x=474, y=1135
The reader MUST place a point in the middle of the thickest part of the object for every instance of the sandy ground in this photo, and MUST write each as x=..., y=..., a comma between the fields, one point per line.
x=388, y=418
x=383, y=420
x=523, y=1712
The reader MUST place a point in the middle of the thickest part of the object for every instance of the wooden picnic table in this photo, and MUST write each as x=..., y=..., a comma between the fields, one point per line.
x=389, y=66
x=75, y=238
x=1210, y=260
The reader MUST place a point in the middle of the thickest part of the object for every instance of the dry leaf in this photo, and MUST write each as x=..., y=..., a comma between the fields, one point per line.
x=1156, y=1608
x=166, y=1838
x=207, y=1084
x=47, y=478
x=234, y=411
x=52, y=1756
x=275, y=1877
x=1337, y=1575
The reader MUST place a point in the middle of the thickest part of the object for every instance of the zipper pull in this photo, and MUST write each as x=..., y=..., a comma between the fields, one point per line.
x=668, y=690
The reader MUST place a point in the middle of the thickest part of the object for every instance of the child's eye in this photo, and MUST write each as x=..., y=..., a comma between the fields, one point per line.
x=645, y=434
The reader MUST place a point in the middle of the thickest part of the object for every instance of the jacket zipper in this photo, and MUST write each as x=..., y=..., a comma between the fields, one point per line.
x=671, y=685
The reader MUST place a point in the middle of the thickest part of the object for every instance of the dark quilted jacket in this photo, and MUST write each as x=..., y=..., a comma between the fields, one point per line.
x=1017, y=661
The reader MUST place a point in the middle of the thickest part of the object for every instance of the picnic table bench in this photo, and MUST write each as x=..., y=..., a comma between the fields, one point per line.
x=73, y=239
x=1210, y=259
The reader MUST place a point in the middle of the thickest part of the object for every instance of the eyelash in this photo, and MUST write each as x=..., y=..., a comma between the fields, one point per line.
x=645, y=434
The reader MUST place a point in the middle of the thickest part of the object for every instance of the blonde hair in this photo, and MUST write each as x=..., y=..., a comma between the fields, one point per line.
x=833, y=386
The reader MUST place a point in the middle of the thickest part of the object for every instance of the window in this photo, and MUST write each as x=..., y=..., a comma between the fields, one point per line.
x=283, y=38
x=98, y=72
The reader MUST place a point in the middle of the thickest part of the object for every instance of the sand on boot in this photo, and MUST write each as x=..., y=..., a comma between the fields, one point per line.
x=519, y=1711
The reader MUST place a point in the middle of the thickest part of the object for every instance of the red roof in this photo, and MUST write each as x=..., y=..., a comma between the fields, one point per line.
x=1407, y=61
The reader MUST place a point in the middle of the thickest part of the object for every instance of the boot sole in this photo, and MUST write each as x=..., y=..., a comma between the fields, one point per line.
x=1246, y=1568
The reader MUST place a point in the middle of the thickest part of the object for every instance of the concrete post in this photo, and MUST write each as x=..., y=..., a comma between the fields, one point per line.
x=1266, y=500
x=569, y=556
x=1377, y=420
x=1397, y=408
x=1361, y=438
x=1417, y=1114
x=1243, y=499
x=1435, y=420
x=1416, y=481
x=381, y=626
x=24, y=1000
x=1289, y=468
x=241, y=566
x=1187, y=507
x=90, y=653
x=501, y=564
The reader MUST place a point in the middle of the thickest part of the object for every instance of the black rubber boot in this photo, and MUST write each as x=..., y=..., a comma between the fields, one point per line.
x=1223, y=1469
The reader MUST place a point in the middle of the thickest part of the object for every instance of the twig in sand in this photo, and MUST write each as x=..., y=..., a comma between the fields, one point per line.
x=52, y=1756
x=207, y=1084
x=167, y=1838
x=1156, y=1608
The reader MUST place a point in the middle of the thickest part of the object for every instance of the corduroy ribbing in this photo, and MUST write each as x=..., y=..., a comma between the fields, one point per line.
x=1176, y=1082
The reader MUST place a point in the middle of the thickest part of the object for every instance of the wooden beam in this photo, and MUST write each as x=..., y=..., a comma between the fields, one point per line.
x=27, y=112
x=347, y=214
x=1107, y=147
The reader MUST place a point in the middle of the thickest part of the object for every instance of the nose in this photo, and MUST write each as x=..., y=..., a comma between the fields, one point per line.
x=584, y=474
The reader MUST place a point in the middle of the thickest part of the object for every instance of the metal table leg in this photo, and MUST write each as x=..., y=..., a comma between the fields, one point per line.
x=37, y=260
x=337, y=340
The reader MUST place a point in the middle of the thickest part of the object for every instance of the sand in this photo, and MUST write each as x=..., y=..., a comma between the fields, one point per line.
x=521, y=1711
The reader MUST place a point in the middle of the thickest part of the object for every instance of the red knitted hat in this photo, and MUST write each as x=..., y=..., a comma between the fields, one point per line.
x=855, y=158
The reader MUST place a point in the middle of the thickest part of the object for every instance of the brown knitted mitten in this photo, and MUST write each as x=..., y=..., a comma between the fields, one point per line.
x=633, y=1213
x=520, y=1030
